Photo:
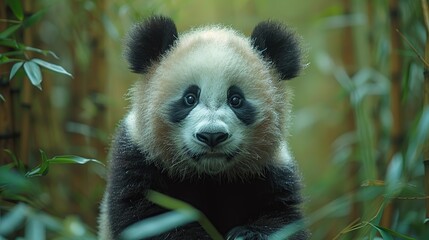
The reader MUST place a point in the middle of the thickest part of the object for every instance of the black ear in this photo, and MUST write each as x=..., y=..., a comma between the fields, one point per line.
x=148, y=40
x=280, y=46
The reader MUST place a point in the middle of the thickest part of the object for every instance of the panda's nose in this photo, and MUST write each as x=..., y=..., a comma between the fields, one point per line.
x=212, y=139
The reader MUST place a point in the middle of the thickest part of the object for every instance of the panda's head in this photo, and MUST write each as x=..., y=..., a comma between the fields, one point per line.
x=212, y=101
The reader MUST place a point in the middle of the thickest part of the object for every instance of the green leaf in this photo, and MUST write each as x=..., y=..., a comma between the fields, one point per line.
x=34, y=74
x=3, y=58
x=9, y=60
x=2, y=98
x=34, y=229
x=13, y=182
x=388, y=234
x=45, y=162
x=7, y=42
x=42, y=169
x=35, y=172
x=393, y=175
x=178, y=205
x=13, y=53
x=13, y=219
x=50, y=66
x=159, y=224
x=9, y=31
x=167, y=201
x=72, y=159
x=28, y=22
x=41, y=51
x=50, y=222
x=384, y=234
x=16, y=7
x=418, y=138
x=15, y=69
x=16, y=161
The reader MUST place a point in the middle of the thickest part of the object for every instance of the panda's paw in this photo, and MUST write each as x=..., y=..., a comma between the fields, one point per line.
x=245, y=233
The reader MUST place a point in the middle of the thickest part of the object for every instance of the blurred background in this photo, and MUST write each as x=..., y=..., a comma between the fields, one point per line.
x=360, y=120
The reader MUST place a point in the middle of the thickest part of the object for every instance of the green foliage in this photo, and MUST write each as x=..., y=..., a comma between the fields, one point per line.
x=42, y=169
x=19, y=50
x=17, y=184
x=386, y=170
x=22, y=197
x=182, y=214
x=32, y=70
x=39, y=225
x=16, y=8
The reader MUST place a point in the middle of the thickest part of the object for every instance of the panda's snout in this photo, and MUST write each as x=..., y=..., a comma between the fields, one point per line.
x=212, y=139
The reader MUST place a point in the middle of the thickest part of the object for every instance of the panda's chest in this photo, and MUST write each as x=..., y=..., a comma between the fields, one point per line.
x=225, y=204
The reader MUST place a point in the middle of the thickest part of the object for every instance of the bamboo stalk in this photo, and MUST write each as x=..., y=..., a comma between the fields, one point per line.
x=425, y=9
x=395, y=99
x=349, y=61
x=26, y=101
x=8, y=135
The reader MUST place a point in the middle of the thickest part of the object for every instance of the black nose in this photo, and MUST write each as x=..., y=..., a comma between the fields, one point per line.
x=212, y=139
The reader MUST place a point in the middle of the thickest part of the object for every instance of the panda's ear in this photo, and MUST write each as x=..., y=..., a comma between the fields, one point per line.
x=280, y=46
x=147, y=41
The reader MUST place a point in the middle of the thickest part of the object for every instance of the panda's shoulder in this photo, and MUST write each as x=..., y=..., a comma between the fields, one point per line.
x=285, y=181
x=124, y=153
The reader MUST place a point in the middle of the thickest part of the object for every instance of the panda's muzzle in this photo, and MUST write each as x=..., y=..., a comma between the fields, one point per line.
x=212, y=139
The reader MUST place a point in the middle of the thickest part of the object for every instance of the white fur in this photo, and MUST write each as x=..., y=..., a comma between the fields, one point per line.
x=103, y=221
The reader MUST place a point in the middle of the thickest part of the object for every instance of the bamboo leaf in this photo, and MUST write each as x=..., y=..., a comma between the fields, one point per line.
x=13, y=219
x=50, y=222
x=34, y=229
x=28, y=22
x=16, y=161
x=16, y=8
x=50, y=66
x=7, y=42
x=384, y=234
x=393, y=175
x=34, y=74
x=42, y=169
x=13, y=182
x=9, y=31
x=15, y=69
x=167, y=201
x=159, y=224
x=3, y=59
x=65, y=159
x=178, y=205
x=388, y=234
x=13, y=53
x=41, y=51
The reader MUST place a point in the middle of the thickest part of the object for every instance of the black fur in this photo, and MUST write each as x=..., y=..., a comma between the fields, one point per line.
x=280, y=46
x=179, y=110
x=246, y=112
x=147, y=42
x=252, y=209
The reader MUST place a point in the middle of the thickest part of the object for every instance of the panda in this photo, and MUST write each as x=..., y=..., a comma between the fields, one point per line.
x=207, y=125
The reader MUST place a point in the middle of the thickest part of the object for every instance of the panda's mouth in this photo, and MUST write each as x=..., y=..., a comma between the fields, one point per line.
x=211, y=155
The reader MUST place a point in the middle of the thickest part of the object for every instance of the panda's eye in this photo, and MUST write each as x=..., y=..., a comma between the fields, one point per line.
x=190, y=99
x=235, y=101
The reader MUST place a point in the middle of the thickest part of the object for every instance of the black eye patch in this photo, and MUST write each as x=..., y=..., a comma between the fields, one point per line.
x=243, y=109
x=180, y=108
